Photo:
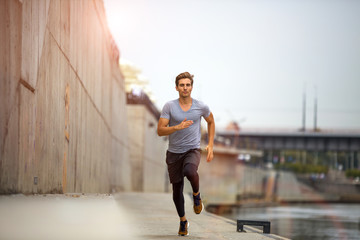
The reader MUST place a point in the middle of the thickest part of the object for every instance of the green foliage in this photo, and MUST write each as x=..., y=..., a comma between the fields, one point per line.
x=352, y=173
x=303, y=168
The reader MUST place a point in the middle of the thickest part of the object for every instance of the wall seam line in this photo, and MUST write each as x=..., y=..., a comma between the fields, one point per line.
x=86, y=92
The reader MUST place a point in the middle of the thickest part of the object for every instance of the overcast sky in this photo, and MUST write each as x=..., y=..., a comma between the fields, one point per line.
x=251, y=59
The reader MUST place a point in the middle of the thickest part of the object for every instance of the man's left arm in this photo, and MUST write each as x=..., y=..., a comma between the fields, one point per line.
x=211, y=132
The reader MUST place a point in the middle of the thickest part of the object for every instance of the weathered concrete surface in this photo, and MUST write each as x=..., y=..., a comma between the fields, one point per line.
x=226, y=181
x=63, y=123
x=121, y=216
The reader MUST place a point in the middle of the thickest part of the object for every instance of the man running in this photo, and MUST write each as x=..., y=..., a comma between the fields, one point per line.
x=181, y=120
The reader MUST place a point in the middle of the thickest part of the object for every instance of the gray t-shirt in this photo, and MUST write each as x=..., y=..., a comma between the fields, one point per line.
x=188, y=138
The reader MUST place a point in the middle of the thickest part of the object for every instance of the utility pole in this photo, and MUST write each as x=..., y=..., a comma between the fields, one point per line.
x=304, y=110
x=315, y=111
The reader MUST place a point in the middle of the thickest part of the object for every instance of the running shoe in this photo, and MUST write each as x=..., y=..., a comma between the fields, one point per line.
x=198, y=205
x=183, y=229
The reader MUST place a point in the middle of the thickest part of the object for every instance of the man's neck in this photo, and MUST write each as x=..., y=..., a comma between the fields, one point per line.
x=185, y=101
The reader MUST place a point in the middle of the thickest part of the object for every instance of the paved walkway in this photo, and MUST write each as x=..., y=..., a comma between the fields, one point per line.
x=101, y=216
x=156, y=218
x=62, y=217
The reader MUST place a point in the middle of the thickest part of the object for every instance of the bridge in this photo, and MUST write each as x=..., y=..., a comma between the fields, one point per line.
x=336, y=149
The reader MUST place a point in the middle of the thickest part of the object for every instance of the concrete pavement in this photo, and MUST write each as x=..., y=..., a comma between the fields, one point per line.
x=154, y=217
x=117, y=216
x=62, y=217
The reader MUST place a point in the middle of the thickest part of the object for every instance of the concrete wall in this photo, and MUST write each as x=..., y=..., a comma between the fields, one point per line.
x=227, y=181
x=147, y=151
x=224, y=179
x=218, y=179
x=63, y=125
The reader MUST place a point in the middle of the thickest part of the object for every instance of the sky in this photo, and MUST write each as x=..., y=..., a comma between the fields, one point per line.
x=252, y=60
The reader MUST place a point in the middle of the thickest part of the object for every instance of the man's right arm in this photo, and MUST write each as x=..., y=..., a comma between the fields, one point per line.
x=163, y=129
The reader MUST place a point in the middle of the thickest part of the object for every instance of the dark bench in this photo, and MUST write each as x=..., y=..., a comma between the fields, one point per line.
x=265, y=224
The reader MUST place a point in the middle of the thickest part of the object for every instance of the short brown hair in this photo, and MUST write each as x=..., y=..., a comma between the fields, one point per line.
x=184, y=75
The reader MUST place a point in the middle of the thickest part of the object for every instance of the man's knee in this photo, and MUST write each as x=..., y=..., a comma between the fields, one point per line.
x=190, y=170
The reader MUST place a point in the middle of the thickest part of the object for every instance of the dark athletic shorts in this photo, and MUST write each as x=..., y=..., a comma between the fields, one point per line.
x=176, y=162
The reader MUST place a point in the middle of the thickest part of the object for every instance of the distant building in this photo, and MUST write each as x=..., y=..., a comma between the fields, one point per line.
x=135, y=82
x=147, y=150
x=339, y=150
